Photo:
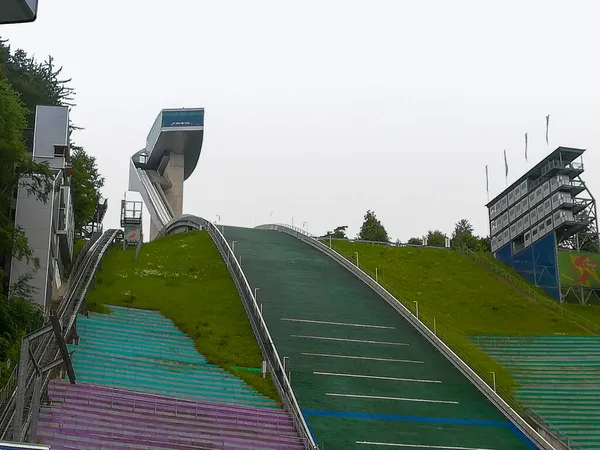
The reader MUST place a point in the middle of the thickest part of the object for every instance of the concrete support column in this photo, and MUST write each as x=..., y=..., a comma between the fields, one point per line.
x=174, y=172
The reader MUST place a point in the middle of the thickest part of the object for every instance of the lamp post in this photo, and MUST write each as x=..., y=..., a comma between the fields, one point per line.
x=417, y=309
x=356, y=253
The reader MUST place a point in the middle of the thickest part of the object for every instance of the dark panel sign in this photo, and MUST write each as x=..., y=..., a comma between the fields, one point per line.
x=191, y=118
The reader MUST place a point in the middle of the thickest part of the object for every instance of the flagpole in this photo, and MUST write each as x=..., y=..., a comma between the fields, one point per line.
x=487, y=183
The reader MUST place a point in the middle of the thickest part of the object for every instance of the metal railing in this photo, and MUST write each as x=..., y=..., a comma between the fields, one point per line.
x=45, y=347
x=531, y=292
x=433, y=336
x=257, y=322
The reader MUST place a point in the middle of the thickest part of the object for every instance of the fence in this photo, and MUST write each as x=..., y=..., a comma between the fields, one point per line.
x=259, y=327
x=428, y=330
x=531, y=292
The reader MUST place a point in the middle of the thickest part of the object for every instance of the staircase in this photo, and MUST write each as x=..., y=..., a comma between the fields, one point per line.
x=142, y=385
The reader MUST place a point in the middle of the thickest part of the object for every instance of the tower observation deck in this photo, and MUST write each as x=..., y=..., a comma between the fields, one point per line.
x=544, y=218
x=171, y=154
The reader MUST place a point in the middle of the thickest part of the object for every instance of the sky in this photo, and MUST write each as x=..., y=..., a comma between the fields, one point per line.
x=317, y=111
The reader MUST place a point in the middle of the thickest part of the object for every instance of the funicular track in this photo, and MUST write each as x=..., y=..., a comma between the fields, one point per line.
x=20, y=406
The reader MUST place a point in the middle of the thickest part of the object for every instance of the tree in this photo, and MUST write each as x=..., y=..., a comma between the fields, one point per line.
x=484, y=244
x=372, y=229
x=86, y=183
x=338, y=232
x=462, y=236
x=15, y=166
x=415, y=241
x=436, y=238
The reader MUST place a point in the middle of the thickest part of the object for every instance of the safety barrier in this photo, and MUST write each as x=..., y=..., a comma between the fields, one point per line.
x=463, y=367
x=259, y=327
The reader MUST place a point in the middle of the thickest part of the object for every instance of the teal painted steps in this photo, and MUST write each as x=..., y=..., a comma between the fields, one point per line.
x=143, y=351
x=559, y=379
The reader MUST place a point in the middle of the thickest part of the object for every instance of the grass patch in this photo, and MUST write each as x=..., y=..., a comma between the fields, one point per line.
x=78, y=244
x=184, y=277
x=464, y=299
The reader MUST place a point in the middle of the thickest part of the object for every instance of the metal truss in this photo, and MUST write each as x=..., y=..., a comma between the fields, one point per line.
x=587, y=239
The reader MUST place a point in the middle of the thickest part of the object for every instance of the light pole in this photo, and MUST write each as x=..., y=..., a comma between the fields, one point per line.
x=356, y=253
x=417, y=308
x=494, y=380
x=376, y=274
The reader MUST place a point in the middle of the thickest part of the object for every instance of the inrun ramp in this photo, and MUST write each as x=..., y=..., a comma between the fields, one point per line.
x=364, y=378
x=559, y=378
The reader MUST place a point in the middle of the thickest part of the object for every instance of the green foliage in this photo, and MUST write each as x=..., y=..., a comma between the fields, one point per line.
x=415, y=241
x=184, y=277
x=37, y=83
x=463, y=237
x=338, y=232
x=436, y=238
x=86, y=183
x=372, y=229
x=464, y=298
x=17, y=317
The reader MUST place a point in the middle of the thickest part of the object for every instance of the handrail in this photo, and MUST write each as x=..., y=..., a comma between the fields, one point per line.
x=528, y=290
x=432, y=337
x=156, y=201
x=259, y=326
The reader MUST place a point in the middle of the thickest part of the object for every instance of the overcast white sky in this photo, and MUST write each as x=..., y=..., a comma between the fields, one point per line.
x=320, y=110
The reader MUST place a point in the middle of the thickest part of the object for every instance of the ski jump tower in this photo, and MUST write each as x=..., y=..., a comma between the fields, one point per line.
x=545, y=226
x=171, y=154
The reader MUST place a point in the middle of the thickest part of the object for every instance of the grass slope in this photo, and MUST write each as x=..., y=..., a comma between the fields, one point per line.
x=184, y=277
x=463, y=298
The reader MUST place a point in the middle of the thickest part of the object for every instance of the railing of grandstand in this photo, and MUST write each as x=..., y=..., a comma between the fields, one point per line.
x=529, y=291
x=500, y=398
x=259, y=326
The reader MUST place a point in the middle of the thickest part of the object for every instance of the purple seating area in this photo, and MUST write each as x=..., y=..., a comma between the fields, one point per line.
x=86, y=416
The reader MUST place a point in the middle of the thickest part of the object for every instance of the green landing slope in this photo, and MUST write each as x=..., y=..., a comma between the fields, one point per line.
x=364, y=378
x=184, y=277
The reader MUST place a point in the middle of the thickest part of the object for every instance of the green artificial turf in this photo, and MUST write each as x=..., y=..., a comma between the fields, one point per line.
x=464, y=299
x=184, y=277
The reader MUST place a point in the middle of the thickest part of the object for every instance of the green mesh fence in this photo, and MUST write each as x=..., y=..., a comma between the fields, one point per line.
x=361, y=374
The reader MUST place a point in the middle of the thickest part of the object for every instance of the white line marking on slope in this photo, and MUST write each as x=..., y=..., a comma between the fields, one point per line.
x=400, y=399
x=364, y=357
x=350, y=375
x=443, y=447
x=347, y=340
x=345, y=324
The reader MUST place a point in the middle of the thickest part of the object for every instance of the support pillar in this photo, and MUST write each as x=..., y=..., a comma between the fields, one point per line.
x=174, y=172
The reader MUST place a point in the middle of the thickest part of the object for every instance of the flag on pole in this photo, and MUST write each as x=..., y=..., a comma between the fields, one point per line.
x=505, y=165
x=525, y=146
x=547, y=125
x=487, y=182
